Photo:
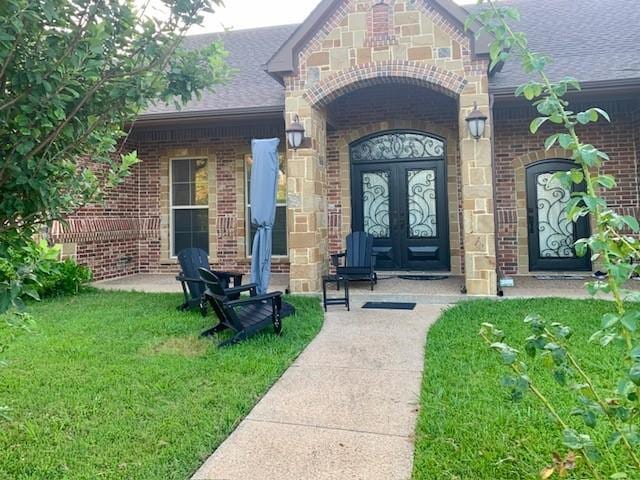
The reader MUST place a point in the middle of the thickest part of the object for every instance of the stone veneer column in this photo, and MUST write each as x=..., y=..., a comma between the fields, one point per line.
x=307, y=204
x=477, y=195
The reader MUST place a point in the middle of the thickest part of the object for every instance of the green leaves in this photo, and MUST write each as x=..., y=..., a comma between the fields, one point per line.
x=634, y=374
x=614, y=247
x=574, y=440
x=536, y=123
x=509, y=355
x=70, y=87
x=530, y=90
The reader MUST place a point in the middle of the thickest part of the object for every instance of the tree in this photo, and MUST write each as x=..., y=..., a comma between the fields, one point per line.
x=614, y=407
x=73, y=73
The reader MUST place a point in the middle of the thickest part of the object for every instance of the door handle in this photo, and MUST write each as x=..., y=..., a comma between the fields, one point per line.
x=530, y=221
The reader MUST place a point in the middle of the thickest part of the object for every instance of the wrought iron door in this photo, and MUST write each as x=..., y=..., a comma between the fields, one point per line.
x=551, y=233
x=399, y=195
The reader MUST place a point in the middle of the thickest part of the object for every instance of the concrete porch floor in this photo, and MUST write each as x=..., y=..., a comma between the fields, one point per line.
x=389, y=287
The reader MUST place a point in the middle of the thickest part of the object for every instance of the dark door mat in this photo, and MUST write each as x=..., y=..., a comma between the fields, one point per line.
x=423, y=277
x=389, y=305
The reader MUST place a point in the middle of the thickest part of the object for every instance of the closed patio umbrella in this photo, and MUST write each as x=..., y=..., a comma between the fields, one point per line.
x=264, y=181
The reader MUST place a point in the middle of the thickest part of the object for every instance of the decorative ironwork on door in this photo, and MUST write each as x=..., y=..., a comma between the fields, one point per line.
x=399, y=195
x=422, y=205
x=394, y=146
x=375, y=202
x=555, y=229
x=551, y=234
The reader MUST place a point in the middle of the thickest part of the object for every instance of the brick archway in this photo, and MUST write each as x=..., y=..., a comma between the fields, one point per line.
x=339, y=173
x=407, y=72
x=520, y=165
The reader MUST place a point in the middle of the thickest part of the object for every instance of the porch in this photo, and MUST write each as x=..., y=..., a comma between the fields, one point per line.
x=389, y=288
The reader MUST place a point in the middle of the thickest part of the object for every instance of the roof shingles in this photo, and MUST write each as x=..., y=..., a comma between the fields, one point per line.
x=250, y=86
x=591, y=40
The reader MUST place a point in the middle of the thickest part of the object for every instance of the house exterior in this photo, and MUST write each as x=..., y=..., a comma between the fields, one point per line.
x=382, y=88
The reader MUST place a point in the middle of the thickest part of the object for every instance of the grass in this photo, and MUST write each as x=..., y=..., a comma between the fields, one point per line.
x=469, y=429
x=118, y=385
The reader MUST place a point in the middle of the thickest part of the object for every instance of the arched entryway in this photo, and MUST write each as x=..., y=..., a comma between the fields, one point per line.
x=551, y=234
x=399, y=195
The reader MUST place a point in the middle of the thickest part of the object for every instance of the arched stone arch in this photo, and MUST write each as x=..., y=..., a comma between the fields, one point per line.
x=339, y=211
x=414, y=73
x=520, y=165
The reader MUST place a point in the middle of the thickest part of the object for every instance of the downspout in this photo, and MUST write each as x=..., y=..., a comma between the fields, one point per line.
x=499, y=290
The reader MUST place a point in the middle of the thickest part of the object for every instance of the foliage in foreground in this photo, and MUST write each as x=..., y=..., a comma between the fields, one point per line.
x=469, y=427
x=73, y=73
x=119, y=385
x=33, y=269
x=613, y=406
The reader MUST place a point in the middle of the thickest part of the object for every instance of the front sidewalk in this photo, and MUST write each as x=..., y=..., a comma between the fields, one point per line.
x=346, y=409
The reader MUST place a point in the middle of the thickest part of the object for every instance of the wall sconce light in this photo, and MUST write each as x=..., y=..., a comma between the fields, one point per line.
x=476, y=122
x=295, y=133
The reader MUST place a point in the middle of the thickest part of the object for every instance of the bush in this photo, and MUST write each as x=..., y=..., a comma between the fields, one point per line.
x=39, y=269
x=65, y=278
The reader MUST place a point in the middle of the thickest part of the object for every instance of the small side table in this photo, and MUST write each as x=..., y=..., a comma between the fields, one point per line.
x=337, y=279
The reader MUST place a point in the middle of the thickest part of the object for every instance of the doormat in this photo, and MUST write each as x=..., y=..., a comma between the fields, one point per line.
x=559, y=277
x=423, y=277
x=389, y=305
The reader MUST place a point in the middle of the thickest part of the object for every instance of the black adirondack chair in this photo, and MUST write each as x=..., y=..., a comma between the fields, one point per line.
x=191, y=259
x=358, y=262
x=245, y=315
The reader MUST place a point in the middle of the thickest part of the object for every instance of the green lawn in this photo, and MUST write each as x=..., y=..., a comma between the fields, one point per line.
x=119, y=386
x=469, y=429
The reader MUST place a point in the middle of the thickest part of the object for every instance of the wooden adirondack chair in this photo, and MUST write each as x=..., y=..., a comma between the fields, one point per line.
x=191, y=259
x=358, y=262
x=244, y=316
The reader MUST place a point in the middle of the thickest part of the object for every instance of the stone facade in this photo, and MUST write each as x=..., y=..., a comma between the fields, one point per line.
x=426, y=49
x=370, y=66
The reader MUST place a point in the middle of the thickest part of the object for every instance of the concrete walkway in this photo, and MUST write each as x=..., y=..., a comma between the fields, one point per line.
x=346, y=409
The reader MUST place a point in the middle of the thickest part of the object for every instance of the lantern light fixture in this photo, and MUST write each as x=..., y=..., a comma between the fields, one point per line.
x=295, y=133
x=476, y=122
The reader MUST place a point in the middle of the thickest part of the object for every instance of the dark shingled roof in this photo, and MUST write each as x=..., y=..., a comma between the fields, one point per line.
x=250, y=86
x=596, y=41
x=591, y=40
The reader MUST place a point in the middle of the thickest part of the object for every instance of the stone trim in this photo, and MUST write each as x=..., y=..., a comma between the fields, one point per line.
x=404, y=71
x=165, y=205
x=340, y=218
x=520, y=165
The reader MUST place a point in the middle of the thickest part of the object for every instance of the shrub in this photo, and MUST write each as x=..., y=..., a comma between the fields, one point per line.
x=64, y=278
x=35, y=269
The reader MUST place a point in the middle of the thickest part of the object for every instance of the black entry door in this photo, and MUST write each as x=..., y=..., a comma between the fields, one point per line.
x=403, y=204
x=551, y=233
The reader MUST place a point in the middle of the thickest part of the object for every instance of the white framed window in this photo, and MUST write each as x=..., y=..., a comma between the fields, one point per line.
x=280, y=225
x=189, y=194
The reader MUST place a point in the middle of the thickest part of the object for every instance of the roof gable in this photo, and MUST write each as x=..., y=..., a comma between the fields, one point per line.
x=284, y=60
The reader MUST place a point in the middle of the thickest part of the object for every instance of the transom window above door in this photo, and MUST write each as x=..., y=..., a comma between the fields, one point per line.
x=189, y=204
x=397, y=146
x=279, y=247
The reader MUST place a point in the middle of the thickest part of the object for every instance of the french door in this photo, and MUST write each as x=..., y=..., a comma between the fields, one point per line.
x=551, y=233
x=404, y=206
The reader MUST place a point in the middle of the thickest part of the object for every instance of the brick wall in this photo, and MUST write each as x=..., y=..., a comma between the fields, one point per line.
x=513, y=142
x=124, y=235
x=105, y=236
x=379, y=108
x=227, y=147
